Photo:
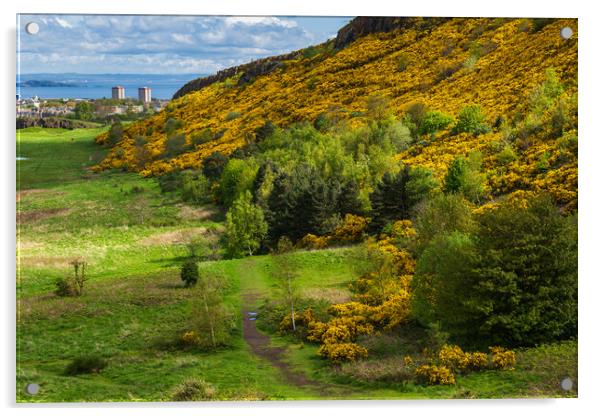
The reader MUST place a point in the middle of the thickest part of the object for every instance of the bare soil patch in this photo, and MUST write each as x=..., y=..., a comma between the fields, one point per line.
x=40, y=214
x=196, y=213
x=32, y=192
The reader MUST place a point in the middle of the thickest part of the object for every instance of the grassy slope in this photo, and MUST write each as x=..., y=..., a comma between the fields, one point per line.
x=134, y=306
x=130, y=319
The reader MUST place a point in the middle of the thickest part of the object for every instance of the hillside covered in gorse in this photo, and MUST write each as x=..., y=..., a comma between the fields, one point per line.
x=505, y=89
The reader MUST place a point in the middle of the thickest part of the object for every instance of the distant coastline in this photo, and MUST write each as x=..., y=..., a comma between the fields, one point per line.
x=35, y=83
x=95, y=86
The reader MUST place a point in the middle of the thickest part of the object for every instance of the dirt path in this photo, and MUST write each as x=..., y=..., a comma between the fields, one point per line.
x=260, y=345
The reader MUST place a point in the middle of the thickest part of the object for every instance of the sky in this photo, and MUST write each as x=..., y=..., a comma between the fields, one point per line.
x=101, y=44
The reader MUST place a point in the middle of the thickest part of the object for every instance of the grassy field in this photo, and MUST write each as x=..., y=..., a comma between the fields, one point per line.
x=134, y=307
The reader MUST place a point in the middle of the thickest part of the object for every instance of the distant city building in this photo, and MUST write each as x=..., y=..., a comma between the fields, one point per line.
x=118, y=93
x=144, y=94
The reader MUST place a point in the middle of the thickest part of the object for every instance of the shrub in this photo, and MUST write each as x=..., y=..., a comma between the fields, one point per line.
x=193, y=389
x=213, y=165
x=195, y=187
x=403, y=61
x=454, y=358
x=344, y=351
x=351, y=229
x=506, y=155
x=434, y=374
x=478, y=361
x=73, y=285
x=471, y=120
x=174, y=145
x=85, y=365
x=204, y=136
x=502, y=358
x=171, y=125
x=190, y=338
x=434, y=121
x=264, y=131
x=539, y=23
x=115, y=134
x=413, y=115
x=447, y=71
x=64, y=287
x=232, y=115
x=189, y=273
x=313, y=242
x=170, y=182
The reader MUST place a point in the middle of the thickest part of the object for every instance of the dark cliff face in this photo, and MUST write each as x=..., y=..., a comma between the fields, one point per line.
x=248, y=72
x=362, y=26
x=358, y=27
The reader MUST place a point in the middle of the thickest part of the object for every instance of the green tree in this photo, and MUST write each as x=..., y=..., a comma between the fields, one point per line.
x=195, y=187
x=237, y=177
x=434, y=121
x=442, y=282
x=284, y=272
x=211, y=319
x=83, y=110
x=464, y=177
x=189, y=273
x=513, y=282
x=245, y=227
x=527, y=273
x=442, y=215
x=397, y=194
x=471, y=120
x=213, y=165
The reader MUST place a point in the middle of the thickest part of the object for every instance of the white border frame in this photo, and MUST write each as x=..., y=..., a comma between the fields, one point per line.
x=590, y=22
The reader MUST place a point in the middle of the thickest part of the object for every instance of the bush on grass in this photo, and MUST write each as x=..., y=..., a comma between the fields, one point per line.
x=88, y=364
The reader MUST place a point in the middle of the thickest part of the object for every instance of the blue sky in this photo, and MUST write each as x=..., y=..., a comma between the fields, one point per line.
x=96, y=44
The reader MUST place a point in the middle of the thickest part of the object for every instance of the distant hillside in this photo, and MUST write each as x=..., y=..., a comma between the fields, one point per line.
x=443, y=64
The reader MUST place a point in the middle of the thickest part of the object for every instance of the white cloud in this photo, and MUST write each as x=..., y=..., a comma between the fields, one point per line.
x=63, y=23
x=260, y=20
x=183, y=38
x=152, y=44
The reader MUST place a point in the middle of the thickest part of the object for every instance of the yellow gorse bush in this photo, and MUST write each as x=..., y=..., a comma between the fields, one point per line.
x=502, y=358
x=435, y=374
x=344, y=351
x=190, y=338
x=453, y=357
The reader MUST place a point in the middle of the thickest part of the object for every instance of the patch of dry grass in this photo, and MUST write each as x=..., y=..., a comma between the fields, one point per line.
x=173, y=237
x=330, y=294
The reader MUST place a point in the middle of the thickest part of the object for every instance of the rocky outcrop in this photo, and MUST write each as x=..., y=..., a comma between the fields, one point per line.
x=362, y=26
x=247, y=72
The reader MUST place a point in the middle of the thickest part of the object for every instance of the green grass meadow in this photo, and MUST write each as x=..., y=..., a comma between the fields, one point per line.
x=135, y=307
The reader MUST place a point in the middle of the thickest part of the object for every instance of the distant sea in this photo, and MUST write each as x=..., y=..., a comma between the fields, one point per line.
x=99, y=85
